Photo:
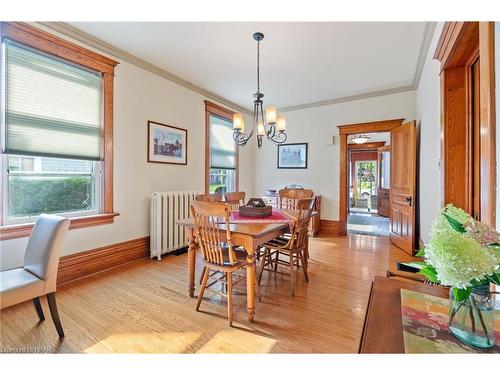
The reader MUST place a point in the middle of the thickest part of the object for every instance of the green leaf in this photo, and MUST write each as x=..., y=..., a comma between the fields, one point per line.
x=495, y=278
x=455, y=224
x=418, y=265
x=430, y=273
x=421, y=252
x=461, y=294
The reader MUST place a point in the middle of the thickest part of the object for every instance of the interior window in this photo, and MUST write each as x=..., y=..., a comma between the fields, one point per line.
x=222, y=177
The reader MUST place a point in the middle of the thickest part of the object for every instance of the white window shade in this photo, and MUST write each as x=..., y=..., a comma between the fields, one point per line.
x=222, y=146
x=52, y=108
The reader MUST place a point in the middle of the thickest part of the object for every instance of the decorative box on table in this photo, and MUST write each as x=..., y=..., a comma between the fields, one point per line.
x=255, y=207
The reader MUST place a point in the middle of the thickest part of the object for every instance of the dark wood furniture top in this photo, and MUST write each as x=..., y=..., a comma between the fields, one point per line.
x=383, y=328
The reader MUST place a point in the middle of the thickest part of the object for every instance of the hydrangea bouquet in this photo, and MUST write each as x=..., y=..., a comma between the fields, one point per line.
x=464, y=254
x=461, y=252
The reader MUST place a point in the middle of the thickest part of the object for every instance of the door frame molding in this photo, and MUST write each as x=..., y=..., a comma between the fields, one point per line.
x=459, y=41
x=344, y=131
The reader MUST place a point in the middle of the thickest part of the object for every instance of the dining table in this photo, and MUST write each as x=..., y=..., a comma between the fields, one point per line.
x=250, y=234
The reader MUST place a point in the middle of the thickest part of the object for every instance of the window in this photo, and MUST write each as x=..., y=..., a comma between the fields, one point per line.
x=56, y=101
x=222, y=152
x=36, y=185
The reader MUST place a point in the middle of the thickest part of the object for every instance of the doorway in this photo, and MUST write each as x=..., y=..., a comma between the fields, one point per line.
x=369, y=184
x=346, y=131
x=466, y=53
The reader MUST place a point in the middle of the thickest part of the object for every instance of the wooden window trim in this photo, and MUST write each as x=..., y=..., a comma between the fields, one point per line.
x=458, y=47
x=46, y=42
x=9, y=232
x=344, y=132
x=215, y=109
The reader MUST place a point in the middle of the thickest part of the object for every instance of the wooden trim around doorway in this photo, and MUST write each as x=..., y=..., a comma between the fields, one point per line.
x=460, y=45
x=372, y=145
x=345, y=131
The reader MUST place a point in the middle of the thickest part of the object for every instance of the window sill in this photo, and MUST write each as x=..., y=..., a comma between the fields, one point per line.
x=9, y=232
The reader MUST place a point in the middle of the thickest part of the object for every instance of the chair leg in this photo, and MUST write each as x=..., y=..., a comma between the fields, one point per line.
x=38, y=308
x=292, y=275
x=230, y=298
x=51, y=299
x=303, y=259
x=203, y=273
x=276, y=261
x=262, y=264
x=257, y=290
x=202, y=289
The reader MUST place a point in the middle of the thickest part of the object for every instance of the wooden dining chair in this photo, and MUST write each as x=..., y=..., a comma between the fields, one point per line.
x=219, y=255
x=289, y=198
x=303, y=204
x=294, y=246
x=209, y=197
x=235, y=199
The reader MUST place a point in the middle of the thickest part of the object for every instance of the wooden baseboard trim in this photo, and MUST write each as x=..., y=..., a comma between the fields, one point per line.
x=76, y=266
x=329, y=227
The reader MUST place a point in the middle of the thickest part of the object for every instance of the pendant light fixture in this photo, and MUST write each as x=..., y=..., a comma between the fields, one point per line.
x=267, y=123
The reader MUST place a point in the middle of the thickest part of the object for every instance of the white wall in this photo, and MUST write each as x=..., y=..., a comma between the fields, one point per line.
x=429, y=123
x=314, y=126
x=141, y=96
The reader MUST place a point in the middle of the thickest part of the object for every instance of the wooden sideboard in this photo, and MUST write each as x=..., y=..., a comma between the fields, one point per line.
x=273, y=199
x=383, y=328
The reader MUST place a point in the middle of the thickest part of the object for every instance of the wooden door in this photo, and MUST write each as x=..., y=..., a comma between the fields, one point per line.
x=403, y=186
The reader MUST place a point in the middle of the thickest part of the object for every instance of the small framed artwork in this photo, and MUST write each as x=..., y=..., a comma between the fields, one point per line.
x=292, y=156
x=166, y=144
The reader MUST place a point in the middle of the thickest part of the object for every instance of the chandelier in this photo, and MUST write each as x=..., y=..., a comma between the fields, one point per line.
x=270, y=125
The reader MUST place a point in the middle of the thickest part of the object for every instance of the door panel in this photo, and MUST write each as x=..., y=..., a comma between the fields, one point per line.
x=384, y=183
x=403, y=178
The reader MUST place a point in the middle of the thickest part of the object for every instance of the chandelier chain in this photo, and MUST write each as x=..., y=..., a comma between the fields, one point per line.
x=258, y=66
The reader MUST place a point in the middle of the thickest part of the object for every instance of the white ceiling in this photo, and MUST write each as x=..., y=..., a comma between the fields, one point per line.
x=301, y=62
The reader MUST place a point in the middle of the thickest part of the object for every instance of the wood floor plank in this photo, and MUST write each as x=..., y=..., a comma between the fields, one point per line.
x=144, y=307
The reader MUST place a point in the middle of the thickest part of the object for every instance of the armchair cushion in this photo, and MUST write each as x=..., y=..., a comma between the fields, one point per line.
x=18, y=285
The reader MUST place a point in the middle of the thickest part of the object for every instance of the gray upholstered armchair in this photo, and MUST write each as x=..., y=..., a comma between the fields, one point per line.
x=38, y=276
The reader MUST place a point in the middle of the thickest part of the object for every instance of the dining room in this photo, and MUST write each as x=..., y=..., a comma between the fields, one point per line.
x=248, y=187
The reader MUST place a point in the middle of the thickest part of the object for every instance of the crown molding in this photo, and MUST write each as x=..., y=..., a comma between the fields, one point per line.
x=344, y=99
x=430, y=27
x=75, y=33
x=91, y=41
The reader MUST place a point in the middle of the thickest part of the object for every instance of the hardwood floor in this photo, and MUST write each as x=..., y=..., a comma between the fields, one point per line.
x=144, y=307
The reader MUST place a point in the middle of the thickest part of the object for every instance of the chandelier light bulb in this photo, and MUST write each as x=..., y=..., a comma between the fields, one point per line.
x=238, y=122
x=271, y=115
x=260, y=128
x=281, y=124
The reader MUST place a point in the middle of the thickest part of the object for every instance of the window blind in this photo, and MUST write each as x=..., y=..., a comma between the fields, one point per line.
x=52, y=108
x=222, y=146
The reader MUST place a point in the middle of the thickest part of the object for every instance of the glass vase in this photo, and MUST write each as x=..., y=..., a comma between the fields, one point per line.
x=472, y=320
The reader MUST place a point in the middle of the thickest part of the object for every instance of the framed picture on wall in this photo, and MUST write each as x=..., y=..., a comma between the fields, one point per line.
x=166, y=144
x=292, y=156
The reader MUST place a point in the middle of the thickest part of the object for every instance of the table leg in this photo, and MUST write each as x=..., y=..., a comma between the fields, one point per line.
x=191, y=261
x=251, y=287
